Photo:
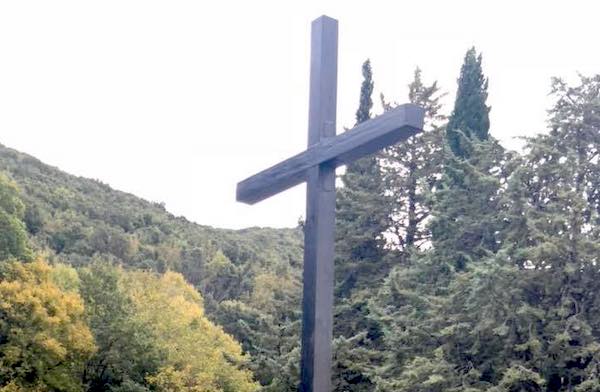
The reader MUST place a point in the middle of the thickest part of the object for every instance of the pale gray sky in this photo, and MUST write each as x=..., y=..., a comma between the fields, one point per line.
x=176, y=101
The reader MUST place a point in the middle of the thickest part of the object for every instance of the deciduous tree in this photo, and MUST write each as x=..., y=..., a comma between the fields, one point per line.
x=44, y=339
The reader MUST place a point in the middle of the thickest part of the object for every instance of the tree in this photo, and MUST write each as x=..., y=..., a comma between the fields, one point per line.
x=466, y=205
x=80, y=222
x=13, y=233
x=466, y=199
x=44, y=340
x=360, y=223
x=523, y=316
x=127, y=352
x=425, y=306
x=412, y=168
x=419, y=308
x=199, y=356
x=360, y=218
x=470, y=117
x=556, y=191
x=518, y=312
x=363, y=113
x=267, y=325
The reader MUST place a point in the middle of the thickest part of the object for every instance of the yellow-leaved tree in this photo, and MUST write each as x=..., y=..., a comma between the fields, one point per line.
x=44, y=340
x=199, y=355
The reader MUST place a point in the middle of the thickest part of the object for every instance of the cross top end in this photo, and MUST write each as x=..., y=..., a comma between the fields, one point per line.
x=325, y=18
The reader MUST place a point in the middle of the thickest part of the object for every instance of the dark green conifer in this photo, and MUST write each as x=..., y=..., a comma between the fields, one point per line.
x=363, y=113
x=520, y=315
x=465, y=221
x=360, y=223
x=361, y=217
x=470, y=117
x=425, y=344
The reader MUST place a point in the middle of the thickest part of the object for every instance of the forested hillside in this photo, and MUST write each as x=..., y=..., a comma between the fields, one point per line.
x=460, y=266
x=249, y=279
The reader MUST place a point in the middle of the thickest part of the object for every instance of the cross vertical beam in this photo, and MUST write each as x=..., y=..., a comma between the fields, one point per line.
x=318, y=275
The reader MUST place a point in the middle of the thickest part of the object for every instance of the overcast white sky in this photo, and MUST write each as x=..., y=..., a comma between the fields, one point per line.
x=176, y=101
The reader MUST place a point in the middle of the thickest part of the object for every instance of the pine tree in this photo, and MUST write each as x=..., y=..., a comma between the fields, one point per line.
x=470, y=117
x=411, y=169
x=465, y=224
x=532, y=322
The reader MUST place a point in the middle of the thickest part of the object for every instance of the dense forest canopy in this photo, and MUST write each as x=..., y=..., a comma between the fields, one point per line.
x=460, y=266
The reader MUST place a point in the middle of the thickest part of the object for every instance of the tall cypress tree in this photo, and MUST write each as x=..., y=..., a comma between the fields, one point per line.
x=363, y=113
x=465, y=222
x=361, y=221
x=470, y=117
x=361, y=217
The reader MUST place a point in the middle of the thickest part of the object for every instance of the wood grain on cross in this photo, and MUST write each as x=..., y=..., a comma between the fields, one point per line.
x=316, y=166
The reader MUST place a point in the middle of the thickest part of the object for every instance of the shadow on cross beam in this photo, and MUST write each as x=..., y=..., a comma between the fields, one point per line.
x=366, y=138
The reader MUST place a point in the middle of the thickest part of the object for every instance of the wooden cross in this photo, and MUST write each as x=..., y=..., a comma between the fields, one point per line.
x=316, y=166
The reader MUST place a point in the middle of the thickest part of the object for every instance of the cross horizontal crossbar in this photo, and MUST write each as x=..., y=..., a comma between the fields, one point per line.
x=366, y=138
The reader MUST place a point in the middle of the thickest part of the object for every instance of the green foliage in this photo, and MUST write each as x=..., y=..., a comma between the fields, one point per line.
x=65, y=277
x=127, y=351
x=559, y=229
x=354, y=362
x=502, y=301
x=461, y=267
x=411, y=170
x=268, y=328
x=465, y=205
x=198, y=355
x=13, y=235
x=360, y=215
x=80, y=222
x=470, y=117
x=152, y=334
x=13, y=238
x=518, y=378
x=44, y=340
x=366, y=90
x=361, y=220
x=10, y=200
x=424, y=375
